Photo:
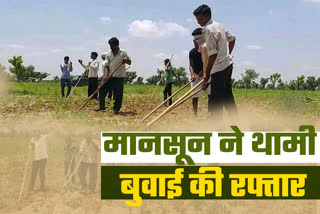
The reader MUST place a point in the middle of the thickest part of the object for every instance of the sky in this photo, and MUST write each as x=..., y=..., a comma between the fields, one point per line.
x=272, y=36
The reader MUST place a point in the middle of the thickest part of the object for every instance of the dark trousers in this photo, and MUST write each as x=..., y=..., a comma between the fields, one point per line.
x=93, y=85
x=168, y=92
x=221, y=94
x=63, y=84
x=69, y=166
x=117, y=85
x=103, y=92
x=93, y=172
x=38, y=165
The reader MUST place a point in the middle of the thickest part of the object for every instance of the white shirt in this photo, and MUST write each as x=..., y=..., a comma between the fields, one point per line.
x=104, y=64
x=114, y=61
x=217, y=40
x=90, y=151
x=93, y=68
x=39, y=148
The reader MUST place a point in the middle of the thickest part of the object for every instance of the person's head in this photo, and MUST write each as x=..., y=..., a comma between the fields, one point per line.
x=66, y=59
x=94, y=55
x=202, y=14
x=166, y=61
x=103, y=56
x=114, y=44
x=197, y=37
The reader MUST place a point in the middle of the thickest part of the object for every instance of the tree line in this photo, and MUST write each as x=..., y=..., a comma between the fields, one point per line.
x=249, y=79
x=274, y=81
x=23, y=73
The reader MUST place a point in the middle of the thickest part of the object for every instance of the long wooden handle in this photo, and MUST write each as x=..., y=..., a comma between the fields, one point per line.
x=76, y=85
x=154, y=92
x=24, y=179
x=154, y=110
x=188, y=97
x=75, y=170
x=173, y=105
x=96, y=91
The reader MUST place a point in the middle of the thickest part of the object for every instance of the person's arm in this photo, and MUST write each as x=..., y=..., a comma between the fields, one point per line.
x=96, y=145
x=191, y=68
x=126, y=59
x=204, y=59
x=82, y=147
x=211, y=62
x=106, y=72
x=94, y=65
x=86, y=67
x=70, y=68
x=31, y=145
x=232, y=41
x=107, y=67
x=211, y=40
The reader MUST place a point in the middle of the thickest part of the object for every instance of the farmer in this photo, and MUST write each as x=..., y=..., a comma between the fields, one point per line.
x=220, y=44
x=69, y=158
x=89, y=151
x=39, y=149
x=93, y=68
x=196, y=65
x=168, y=73
x=66, y=68
x=114, y=58
x=106, y=88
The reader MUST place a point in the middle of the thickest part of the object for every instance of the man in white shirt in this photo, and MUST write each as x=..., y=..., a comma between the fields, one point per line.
x=93, y=68
x=39, y=148
x=220, y=44
x=114, y=58
x=89, y=149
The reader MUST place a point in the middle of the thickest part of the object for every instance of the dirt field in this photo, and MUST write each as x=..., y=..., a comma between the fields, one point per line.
x=32, y=108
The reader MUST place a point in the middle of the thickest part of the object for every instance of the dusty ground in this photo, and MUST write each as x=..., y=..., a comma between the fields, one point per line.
x=22, y=116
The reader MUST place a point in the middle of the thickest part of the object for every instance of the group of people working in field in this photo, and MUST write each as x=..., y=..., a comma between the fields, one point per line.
x=114, y=60
x=210, y=61
x=88, y=162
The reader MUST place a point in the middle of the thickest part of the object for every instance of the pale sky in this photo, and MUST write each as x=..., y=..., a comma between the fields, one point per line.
x=272, y=36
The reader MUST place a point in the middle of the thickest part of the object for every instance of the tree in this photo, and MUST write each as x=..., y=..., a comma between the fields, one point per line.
x=300, y=82
x=29, y=74
x=274, y=78
x=249, y=76
x=238, y=84
x=263, y=82
x=292, y=85
x=181, y=76
x=311, y=83
x=153, y=80
x=25, y=73
x=318, y=83
x=39, y=76
x=56, y=79
x=254, y=85
x=281, y=85
x=130, y=76
x=139, y=81
x=18, y=69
